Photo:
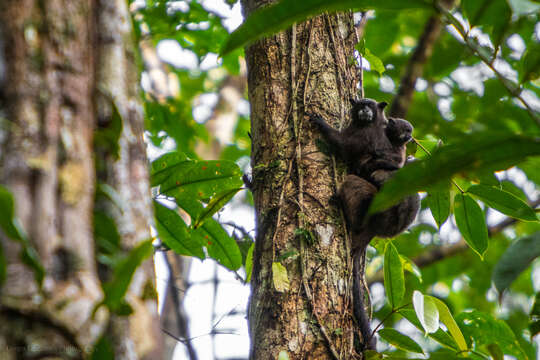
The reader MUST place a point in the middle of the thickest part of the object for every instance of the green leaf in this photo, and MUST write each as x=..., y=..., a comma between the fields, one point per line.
x=372, y=355
x=279, y=277
x=534, y=323
x=504, y=202
x=173, y=231
x=439, y=336
x=477, y=152
x=471, y=223
x=116, y=289
x=430, y=143
x=249, y=262
x=106, y=233
x=394, y=281
x=215, y=204
x=531, y=167
x=107, y=136
x=271, y=19
x=531, y=62
x=164, y=166
x=485, y=330
x=7, y=223
x=399, y=340
x=447, y=319
x=103, y=349
x=439, y=205
x=495, y=352
x=410, y=266
x=510, y=187
x=426, y=311
x=375, y=63
x=200, y=180
x=519, y=255
x=219, y=244
x=10, y=226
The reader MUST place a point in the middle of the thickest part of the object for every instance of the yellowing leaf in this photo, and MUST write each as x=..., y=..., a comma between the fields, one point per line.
x=448, y=320
x=279, y=277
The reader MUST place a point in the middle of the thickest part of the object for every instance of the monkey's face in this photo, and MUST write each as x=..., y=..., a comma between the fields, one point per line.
x=399, y=131
x=367, y=111
x=365, y=114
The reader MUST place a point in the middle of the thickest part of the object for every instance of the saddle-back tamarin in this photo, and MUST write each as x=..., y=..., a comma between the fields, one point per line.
x=373, y=148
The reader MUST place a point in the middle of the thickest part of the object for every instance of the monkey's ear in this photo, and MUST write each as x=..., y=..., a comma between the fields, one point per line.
x=382, y=105
x=353, y=101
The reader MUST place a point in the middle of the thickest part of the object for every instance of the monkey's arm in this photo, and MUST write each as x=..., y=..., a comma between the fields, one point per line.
x=331, y=135
x=355, y=195
x=379, y=175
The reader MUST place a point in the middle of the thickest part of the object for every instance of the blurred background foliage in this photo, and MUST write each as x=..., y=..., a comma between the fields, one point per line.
x=480, y=80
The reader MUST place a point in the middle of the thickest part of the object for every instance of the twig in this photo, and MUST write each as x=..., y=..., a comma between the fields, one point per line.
x=445, y=251
x=181, y=321
x=514, y=89
x=394, y=311
x=415, y=66
x=239, y=228
x=429, y=153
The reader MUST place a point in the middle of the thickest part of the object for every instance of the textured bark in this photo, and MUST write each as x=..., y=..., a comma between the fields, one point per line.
x=306, y=69
x=58, y=55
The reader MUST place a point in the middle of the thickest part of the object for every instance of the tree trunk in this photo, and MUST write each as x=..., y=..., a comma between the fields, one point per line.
x=307, y=69
x=69, y=70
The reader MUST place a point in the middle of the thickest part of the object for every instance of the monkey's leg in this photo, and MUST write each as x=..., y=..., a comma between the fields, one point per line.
x=355, y=195
x=392, y=222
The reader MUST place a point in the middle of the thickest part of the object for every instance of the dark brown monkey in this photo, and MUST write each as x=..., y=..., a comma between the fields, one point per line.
x=373, y=149
x=399, y=132
x=356, y=194
x=363, y=145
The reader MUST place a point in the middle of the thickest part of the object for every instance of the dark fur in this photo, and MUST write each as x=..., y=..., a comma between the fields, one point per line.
x=399, y=132
x=363, y=145
x=373, y=148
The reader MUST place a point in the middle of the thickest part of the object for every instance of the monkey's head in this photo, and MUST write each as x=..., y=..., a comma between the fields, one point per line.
x=367, y=111
x=399, y=131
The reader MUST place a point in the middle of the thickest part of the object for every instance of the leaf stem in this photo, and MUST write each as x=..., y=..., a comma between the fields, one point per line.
x=386, y=318
x=429, y=154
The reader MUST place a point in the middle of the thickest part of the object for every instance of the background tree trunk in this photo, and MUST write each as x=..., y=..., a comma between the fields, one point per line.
x=69, y=68
x=306, y=69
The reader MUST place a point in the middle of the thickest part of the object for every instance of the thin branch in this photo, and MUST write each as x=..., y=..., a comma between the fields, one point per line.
x=514, y=89
x=181, y=320
x=446, y=251
x=419, y=144
x=415, y=66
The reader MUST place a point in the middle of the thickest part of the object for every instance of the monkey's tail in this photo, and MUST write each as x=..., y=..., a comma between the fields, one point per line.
x=358, y=301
